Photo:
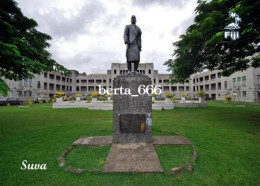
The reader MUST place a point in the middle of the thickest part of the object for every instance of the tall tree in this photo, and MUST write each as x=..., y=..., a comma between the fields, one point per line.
x=203, y=45
x=22, y=47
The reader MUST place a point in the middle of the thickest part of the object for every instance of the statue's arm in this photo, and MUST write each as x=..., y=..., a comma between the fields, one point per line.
x=126, y=35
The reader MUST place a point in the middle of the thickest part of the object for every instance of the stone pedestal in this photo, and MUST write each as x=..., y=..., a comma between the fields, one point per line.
x=132, y=114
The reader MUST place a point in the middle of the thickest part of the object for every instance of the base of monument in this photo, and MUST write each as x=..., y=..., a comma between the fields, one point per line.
x=129, y=157
x=132, y=157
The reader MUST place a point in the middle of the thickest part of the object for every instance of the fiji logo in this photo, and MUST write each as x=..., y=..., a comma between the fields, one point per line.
x=232, y=30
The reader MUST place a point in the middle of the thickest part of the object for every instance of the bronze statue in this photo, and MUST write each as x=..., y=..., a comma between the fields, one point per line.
x=132, y=38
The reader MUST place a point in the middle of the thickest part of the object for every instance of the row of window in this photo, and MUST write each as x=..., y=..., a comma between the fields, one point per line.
x=207, y=87
x=89, y=88
x=58, y=78
x=140, y=71
x=206, y=78
x=25, y=82
x=176, y=88
x=25, y=93
x=93, y=81
x=239, y=81
x=56, y=87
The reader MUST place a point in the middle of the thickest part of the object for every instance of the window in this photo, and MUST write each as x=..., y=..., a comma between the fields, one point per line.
x=166, y=81
x=20, y=93
x=181, y=88
x=45, y=74
x=45, y=86
x=25, y=83
x=244, y=80
x=30, y=82
x=57, y=87
x=225, y=84
x=114, y=71
x=234, y=82
x=149, y=71
x=39, y=84
x=258, y=80
x=51, y=76
x=25, y=93
x=239, y=81
x=213, y=76
x=77, y=80
x=20, y=82
x=244, y=93
x=219, y=86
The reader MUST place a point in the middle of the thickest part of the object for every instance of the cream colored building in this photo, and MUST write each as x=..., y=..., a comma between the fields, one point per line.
x=242, y=86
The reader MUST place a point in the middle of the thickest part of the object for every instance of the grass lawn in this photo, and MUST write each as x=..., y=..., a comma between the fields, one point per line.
x=227, y=139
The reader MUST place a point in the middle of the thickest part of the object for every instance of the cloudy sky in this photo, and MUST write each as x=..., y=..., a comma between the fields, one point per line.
x=88, y=34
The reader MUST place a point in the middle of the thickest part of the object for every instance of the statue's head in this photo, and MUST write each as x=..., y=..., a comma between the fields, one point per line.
x=133, y=19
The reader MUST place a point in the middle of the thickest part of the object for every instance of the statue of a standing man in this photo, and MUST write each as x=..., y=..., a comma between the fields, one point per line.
x=132, y=38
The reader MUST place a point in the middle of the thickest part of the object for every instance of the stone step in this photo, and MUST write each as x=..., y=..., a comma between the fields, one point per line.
x=132, y=157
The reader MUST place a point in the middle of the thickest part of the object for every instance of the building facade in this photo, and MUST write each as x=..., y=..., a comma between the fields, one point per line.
x=242, y=86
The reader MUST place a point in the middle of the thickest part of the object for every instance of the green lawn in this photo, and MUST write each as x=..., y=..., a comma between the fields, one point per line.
x=227, y=139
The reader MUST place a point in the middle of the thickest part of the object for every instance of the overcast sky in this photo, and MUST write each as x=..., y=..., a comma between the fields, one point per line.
x=88, y=34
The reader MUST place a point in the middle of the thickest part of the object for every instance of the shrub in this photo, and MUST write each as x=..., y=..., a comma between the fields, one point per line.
x=183, y=94
x=29, y=102
x=78, y=95
x=154, y=95
x=40, y=101
x=228, y=98
x=60, y=94
x=101, y=99
x=94, y=94
x=201, y=93
x=108, y=95
x=168, y=95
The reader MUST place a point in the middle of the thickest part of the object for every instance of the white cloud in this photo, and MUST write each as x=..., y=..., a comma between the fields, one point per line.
x=88, y=35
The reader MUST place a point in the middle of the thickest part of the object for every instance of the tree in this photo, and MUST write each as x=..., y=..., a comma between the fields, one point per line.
x=22, y=47
x=203, y=45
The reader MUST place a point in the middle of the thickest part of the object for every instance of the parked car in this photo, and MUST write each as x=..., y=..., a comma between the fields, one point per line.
x=194, y=98
x=43, y=99
x=10, y=101
x=160, y=97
